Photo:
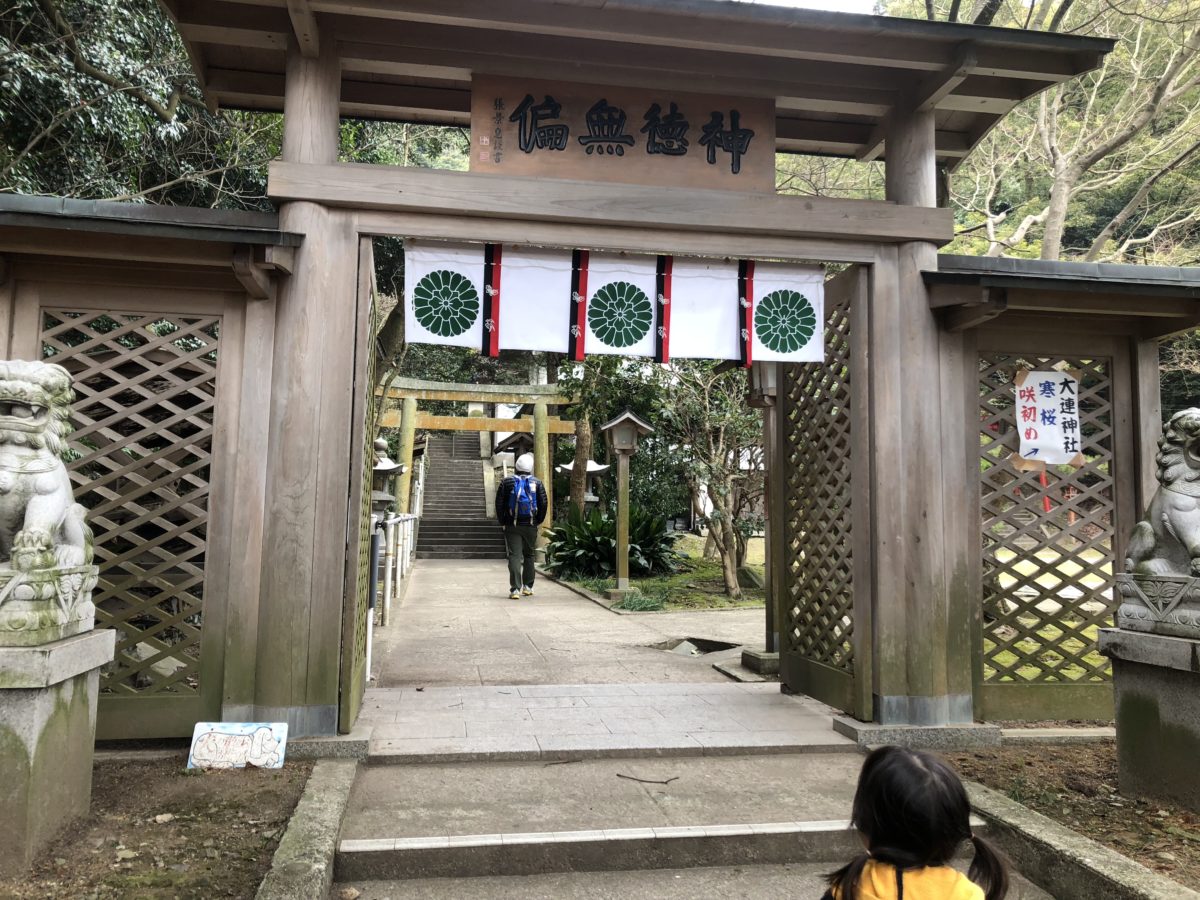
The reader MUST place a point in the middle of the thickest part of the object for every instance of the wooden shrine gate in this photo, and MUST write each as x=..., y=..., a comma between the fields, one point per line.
x=822, y=569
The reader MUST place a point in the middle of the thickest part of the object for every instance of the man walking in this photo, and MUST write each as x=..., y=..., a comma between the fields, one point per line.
x=521, y=507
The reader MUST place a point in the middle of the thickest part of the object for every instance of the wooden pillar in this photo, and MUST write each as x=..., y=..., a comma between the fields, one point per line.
x=1148, y=419
x=8, y=296
x=309, y=426
x=542, y=463
x=408, y=434
x=774, y=523
x=622, y=521
x=923, y=530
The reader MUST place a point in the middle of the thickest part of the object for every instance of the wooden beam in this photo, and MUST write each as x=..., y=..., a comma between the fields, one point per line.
x=429, y=422
x=231, y=24
x=1104, y=304
x=98, y=245
x=281, y=259
x=264, y=91
x=961, y=318
x=535, y=56
x=1162, y=329
x=761, y=31
x=936, y=87
x=942, y=294
x=925, y=97
x=304, y=26
x=485, y=196
x=254, y=279
x=618, y=238
x=423, y=389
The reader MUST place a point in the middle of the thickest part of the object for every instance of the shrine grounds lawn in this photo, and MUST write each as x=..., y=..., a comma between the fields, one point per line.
x=697, y=584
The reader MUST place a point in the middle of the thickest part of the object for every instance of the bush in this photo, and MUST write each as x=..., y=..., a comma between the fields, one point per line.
x=586, y=546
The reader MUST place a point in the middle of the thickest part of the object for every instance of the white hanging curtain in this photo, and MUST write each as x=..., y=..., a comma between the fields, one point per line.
x=443, y=294
x=497, y=298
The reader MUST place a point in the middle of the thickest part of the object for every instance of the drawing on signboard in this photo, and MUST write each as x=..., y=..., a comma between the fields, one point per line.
x=235, y=745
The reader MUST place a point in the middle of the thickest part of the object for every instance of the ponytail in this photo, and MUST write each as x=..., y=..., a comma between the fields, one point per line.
x=988, y=869
x=843, y=884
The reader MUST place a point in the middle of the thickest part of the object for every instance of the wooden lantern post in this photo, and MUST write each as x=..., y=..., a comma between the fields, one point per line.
x=622, y=434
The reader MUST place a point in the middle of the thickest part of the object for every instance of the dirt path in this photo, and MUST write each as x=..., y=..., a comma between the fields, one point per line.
x=1077, y=786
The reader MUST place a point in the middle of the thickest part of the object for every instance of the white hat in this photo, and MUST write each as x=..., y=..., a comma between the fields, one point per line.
x=525, y=462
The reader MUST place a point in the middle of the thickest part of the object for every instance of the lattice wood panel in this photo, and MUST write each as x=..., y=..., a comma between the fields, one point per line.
x=1048, y=556
x=146, y=395
x=359, y=674
x=819, y=611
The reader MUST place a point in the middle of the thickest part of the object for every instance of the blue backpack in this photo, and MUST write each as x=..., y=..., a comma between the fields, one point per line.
x=522, y=502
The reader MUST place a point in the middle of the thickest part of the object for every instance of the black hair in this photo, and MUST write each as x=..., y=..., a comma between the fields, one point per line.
x=912, y=811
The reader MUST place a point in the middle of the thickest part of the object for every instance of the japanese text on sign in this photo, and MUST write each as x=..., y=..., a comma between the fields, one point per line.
x=1048, y=421
x=611, y=133
x=539, y=129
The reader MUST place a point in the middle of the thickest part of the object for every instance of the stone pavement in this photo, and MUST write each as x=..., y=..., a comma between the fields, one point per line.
x=457, y=626
x=522, y=722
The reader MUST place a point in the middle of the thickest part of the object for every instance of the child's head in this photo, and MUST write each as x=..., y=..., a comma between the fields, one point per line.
x=912, y=810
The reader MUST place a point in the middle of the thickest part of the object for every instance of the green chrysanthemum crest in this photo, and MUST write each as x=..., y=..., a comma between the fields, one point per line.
x=446, y=303
x=785, y=321
x=620, y=314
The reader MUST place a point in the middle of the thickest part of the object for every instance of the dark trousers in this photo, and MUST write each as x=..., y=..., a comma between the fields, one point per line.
x=521, y=541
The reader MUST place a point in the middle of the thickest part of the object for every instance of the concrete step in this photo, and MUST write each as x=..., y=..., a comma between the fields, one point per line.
x=523, y=818
x=460, y=540
x=460, y=555
x=706, y=883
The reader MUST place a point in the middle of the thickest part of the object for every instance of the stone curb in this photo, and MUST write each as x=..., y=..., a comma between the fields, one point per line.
x=303, y=865
x=607, y=604
x=579, y=749
x=585, y=593
x=1091, y=735
x=355, y=745
x=927, y=737
x=1064, y=862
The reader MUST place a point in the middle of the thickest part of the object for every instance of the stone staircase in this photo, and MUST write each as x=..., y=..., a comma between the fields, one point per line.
x=678, y=827
x=454, y=522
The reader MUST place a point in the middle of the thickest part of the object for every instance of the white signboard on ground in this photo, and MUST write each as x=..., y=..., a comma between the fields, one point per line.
x=235, y=745
x=1048, y=420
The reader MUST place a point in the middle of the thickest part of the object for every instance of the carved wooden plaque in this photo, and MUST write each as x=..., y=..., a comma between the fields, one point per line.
x=632, y=135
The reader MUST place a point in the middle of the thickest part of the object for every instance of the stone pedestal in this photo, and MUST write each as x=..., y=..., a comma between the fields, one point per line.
x=1157, y=682
x=47, y=733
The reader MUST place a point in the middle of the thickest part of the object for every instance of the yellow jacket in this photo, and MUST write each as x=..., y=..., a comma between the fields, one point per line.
x=930, y=883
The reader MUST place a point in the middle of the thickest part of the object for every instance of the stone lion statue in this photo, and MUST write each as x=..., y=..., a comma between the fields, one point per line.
x=1167, y=541
x=41, y=526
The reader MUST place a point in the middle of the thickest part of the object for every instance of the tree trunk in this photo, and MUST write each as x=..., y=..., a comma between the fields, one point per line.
x=583, y=453
x=721, y=528
x=710, y=543
x=1056, y=216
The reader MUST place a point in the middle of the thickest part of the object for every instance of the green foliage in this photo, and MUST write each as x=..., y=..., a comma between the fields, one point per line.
x=1180, y=360
x=98, y=100
x=642, y=603
x=586, y=546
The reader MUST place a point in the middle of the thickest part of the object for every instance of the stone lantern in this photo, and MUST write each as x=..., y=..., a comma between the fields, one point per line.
x=622, y=434
x=383, y=478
